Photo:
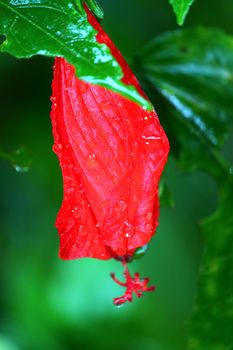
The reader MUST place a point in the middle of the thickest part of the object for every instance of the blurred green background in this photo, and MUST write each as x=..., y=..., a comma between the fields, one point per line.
x=49, y=304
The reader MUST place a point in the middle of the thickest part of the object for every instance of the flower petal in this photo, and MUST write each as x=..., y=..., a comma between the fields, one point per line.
x=112, y=153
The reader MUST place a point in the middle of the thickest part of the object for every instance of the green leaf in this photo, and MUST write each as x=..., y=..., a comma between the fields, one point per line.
x=189, y=76
x=181, y=9
x=60, y=28
x=95, y=8
x=140, y=252
x=19, y=159
x=190, y=69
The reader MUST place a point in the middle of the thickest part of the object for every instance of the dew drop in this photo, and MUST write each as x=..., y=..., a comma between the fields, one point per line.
x=151, y=142
x=231, y=170
x=92, y=157
x=91, y=160
x=149, y=216
x=70, y=190
x=120, y=306
x=21, y=169
x=80, y=228
x=129, y=229
x=76, y=212
x=150, y=137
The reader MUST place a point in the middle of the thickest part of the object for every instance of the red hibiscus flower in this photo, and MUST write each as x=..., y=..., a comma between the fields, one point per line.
x=112, y=153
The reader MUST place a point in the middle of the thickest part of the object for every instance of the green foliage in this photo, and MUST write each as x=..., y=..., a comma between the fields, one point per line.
x=19, y=159
x=190, y=73
x=95, y=8
x=181, y=8
x=191, y=69
x=60, y=28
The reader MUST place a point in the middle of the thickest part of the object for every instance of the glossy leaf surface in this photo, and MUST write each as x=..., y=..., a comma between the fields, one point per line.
x=181, y=8
x=60, y=28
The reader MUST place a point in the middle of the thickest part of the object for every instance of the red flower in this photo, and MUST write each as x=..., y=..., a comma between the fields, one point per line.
x=112, y=153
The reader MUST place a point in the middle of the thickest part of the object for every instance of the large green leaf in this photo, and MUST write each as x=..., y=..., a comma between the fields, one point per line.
x=181, y=8
x=189, y=75
x=60, y=28
x=193, y=71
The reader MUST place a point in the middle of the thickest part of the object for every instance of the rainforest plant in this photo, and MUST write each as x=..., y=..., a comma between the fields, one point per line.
x=112, y=148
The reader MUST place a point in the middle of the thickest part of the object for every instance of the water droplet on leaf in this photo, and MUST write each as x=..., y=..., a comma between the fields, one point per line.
x=19, y=159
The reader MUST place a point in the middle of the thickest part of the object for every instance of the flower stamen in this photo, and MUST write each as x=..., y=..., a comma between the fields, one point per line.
x=132, y=285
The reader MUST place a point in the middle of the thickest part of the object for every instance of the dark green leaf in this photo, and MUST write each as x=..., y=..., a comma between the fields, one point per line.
x=140, y=252
x=181, y=8
x=19, y=159
x=191, y=69
x=95, y=8
x=60, y=28
x=189, y=76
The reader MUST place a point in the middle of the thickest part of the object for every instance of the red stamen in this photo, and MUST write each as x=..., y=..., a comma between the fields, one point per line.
x=132, y=285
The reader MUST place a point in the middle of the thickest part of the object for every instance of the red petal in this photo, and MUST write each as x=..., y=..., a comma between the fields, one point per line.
x=112, y=153
x=76, y=222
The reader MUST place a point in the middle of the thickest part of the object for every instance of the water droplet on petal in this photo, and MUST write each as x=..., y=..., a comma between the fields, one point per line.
x=70, y=189
x=129, y=229
x=150, y=137
x=151, y=142
x=76, y=211
x=91, y=160
x=149, y=216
